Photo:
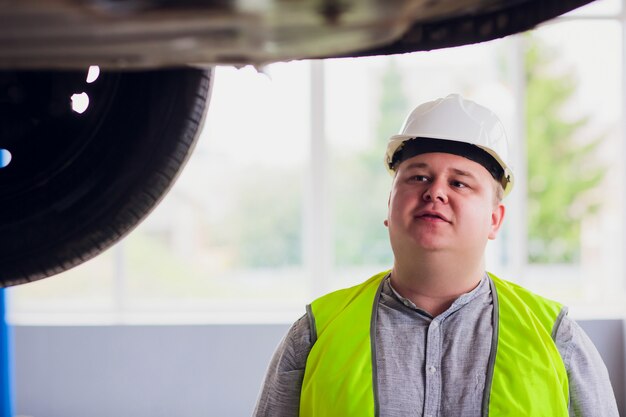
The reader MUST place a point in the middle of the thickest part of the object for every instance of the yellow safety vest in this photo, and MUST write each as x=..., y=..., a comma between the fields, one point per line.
x=525, y=377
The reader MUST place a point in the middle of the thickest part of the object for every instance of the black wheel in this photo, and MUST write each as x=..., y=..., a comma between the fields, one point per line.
x=77, y=183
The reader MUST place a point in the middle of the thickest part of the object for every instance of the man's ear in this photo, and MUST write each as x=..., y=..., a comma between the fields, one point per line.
x=386, y=222
x=497, y=216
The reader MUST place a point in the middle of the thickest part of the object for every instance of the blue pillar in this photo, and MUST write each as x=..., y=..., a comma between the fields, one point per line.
x=6, y=361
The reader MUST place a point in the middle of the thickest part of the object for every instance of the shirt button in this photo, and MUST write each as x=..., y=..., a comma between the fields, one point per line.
x=432, y=369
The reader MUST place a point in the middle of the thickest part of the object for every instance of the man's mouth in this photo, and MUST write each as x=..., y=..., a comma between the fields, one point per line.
x=432, y=216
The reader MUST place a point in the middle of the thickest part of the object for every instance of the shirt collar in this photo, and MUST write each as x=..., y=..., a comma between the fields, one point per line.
x=462, y=300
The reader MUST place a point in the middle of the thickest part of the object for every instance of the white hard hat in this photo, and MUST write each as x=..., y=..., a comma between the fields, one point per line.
x=453, y=121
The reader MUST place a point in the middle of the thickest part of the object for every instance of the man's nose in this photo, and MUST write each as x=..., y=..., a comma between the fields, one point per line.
x=436, y=192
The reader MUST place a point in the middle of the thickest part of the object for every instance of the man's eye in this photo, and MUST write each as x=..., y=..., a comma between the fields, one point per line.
x=419, y=178
x=459, y=184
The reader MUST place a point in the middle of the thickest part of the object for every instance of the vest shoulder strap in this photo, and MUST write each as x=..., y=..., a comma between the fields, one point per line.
x=344, y=385
x=528, y=373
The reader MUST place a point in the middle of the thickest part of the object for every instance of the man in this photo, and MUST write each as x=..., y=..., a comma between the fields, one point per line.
x=437, y=335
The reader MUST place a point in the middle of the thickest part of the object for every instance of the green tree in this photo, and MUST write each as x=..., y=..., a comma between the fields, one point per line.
x=562, y=169
x=363, y=187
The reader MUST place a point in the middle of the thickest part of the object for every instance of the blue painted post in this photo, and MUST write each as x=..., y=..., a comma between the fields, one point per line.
x=6, y=361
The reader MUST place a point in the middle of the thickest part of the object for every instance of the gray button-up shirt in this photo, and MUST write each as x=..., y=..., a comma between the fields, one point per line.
x=436, y=366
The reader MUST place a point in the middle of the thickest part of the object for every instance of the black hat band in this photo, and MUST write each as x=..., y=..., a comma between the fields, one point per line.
x=419, y=145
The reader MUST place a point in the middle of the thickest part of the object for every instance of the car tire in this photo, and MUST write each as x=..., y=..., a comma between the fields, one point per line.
x=76, y=183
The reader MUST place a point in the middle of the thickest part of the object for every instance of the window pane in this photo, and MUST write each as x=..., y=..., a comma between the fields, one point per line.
x=575, y=201
x=83, y=294
x=229, y=237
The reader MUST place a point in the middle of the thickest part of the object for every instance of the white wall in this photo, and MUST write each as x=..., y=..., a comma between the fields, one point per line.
x=176, y=371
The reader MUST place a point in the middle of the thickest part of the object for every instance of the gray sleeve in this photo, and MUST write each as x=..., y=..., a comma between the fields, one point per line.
x=590, y=389
x=280, y=393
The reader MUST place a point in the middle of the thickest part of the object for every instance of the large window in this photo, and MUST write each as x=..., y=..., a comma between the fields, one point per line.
x=574, y=198
x=285, y=195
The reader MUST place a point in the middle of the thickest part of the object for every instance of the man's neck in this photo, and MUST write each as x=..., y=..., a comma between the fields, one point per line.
x=433, y=285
